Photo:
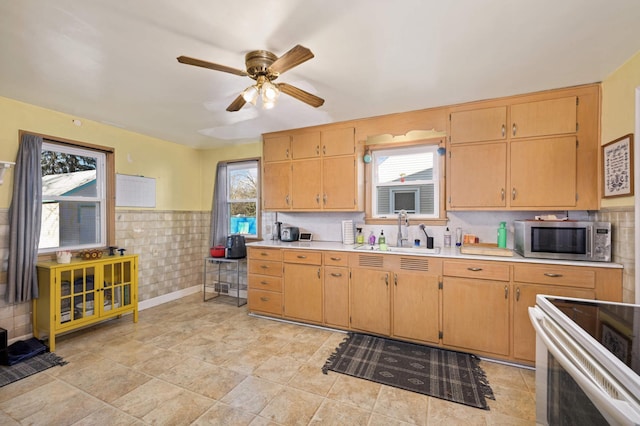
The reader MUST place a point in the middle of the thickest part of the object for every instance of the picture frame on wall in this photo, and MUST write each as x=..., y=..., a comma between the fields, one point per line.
x=617, y=167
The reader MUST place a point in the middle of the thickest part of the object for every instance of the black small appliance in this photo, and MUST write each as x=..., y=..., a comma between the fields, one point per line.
x=235, y=247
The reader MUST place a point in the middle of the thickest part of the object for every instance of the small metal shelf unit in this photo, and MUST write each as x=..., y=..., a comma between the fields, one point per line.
x=228, y=278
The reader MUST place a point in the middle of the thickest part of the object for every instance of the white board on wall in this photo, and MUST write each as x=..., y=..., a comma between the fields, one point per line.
x=135, y=191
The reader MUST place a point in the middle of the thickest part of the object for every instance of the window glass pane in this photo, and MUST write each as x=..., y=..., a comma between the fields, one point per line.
x=405, y=178
x=243, y=197
x=66, y=174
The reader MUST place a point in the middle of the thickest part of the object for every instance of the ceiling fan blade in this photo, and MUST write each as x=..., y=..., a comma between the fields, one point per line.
x=301, y=95
x=210, y=65
x=237, y=104
x=294, y=57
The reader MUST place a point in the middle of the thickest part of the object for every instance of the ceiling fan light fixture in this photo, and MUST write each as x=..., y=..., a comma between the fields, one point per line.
x=250, y=94
x=268, y=104
x=270, y=92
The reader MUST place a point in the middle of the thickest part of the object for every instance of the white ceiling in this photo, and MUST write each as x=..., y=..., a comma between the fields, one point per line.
x=114, y=61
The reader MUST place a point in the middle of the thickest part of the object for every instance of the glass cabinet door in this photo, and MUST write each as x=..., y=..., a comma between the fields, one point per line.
x=77, y=294
x=117, y=285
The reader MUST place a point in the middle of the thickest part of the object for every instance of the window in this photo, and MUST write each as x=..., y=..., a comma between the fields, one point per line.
x=242, y=197
x=406, y=178
x=74, y=207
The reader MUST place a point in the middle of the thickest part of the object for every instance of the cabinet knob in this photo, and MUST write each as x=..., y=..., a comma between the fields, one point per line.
x=502, y=194
x=518, y=294
x=514, y=129
x=503, y=130
x=506, y=291
x=513, y=193
x=286, y=153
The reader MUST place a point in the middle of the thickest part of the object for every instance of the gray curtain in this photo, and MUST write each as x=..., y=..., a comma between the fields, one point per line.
x=219, y=214
x=24, y=222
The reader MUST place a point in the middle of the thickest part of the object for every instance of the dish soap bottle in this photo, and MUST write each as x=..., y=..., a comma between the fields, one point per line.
x=359, y=236
x=382, y=239
x=372, y=238
x=447, y=237
x=502, y=235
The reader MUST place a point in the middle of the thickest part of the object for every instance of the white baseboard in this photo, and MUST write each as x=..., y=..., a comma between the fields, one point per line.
x=150, y=303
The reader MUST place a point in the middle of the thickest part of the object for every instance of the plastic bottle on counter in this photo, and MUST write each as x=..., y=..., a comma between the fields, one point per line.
x=382, y=239
x=502, y=235
x=359, y=236
x=372, y=238
x=447, y=237
x=458, y=237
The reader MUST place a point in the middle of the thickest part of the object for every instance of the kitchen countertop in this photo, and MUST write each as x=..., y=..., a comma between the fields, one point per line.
x=449, y=252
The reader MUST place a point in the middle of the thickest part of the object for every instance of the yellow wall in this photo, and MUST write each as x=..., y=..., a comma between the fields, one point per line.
x=184, y=176
x=618, y=110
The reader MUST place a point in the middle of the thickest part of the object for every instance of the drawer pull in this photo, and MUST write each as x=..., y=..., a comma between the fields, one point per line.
x=335, y=259
x=506, y=291
x=264, y=253
x=264, y=266
x=552, y=275
x=264, y=299
x=264, y=283
x=301, y=256
x=474, y=269
x=336, y=274
x=518, y=294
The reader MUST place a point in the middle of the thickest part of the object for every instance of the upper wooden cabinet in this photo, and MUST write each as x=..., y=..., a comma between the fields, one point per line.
x=543, y=118
x=276, y=148
x=318, y=170
x=477, y=125
x=546, y=145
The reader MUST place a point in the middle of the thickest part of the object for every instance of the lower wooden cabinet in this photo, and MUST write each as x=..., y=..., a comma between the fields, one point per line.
x=264, y=281
x=83, y=292
x=303, y=292
x=369, y=301
x=416, y=301
x=475, y=315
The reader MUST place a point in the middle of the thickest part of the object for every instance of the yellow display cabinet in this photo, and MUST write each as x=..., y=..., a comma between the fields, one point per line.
x=83, y=292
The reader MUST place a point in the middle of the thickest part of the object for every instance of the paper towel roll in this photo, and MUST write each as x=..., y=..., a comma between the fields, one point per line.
x=348, y=236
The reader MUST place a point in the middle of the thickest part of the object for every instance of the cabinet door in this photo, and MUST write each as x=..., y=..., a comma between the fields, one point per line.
x=543, y=118
x=78, y=295
x=544, y=172
x=305, y=145
x=475, y=315
x=118, y=287
x=336, y=296
x=477, y=175
x=524, y=336
x=339, y=183
x=415, y=306
x=276, y=148
x=306, y=184
x=276, y=183
x=303, y=292
x=338, y=141
x=486, y=124
x=369, y=301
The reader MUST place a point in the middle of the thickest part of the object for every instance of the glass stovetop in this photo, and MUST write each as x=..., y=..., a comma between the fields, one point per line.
x=615, y=326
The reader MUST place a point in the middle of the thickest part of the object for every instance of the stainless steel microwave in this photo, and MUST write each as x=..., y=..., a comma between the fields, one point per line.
x=563, y=240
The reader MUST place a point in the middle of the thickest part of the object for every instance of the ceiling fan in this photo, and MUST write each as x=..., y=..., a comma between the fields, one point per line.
x=264, y=67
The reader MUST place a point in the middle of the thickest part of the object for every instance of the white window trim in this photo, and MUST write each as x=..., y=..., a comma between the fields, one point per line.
x=242, y=165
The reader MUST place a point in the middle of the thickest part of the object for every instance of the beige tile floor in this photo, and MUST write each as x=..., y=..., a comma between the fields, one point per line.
x=190, y=362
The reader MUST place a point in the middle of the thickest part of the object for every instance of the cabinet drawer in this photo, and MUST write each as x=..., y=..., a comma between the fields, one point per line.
x=265, y=282
x=307, y=257
x=481, y=270
x=552, y=274
x=265, y=267
x=265, y=301
x=335, y=258
x=265, y=253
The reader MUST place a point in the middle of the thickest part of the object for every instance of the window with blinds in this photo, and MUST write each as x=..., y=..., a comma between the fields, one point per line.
x=406, y=178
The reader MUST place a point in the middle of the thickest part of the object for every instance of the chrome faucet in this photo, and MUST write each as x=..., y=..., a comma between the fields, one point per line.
x=406, y=222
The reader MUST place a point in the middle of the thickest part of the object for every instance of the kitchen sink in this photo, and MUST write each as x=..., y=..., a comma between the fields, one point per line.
x=412, y=250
